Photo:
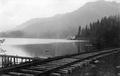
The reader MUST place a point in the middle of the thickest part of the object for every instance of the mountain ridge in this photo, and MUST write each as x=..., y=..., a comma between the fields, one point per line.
x=65, y=25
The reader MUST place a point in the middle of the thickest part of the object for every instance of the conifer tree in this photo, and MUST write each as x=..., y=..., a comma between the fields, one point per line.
x=104, y=33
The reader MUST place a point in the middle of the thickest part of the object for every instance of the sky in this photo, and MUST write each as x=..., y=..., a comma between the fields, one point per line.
x=16, y=12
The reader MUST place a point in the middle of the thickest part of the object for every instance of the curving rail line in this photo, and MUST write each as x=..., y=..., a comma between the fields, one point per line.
x=55, y=66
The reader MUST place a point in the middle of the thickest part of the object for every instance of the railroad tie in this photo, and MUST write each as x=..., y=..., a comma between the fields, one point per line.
x=5, y=75
x=19, y=74
x=30, y=71
x=55, y=74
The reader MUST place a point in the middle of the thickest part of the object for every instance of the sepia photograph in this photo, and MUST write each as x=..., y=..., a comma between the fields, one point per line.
x=59, y=37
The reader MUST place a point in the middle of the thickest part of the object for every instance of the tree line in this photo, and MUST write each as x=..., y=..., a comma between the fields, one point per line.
x=104, y=33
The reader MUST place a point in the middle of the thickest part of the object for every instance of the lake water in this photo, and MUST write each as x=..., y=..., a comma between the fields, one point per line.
x=41, y=47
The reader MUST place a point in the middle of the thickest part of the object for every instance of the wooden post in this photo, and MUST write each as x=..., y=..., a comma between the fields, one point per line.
x=29, y=59
x=8, y=60
x=11, y=61
x=8, y=63
x=21, y=60
x=2, y=62
x=14, y=60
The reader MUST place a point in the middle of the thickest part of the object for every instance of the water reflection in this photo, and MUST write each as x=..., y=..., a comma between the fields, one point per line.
x=48, y=50
x=42, y=47
x=81, y=47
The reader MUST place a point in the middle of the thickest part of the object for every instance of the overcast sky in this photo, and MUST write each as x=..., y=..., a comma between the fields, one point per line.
x=15, y=12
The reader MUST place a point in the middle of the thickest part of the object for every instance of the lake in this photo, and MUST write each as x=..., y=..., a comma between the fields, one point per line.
x=107, y=66
x=43, y=48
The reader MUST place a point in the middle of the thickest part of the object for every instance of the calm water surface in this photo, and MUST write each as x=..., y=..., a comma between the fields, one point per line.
x=107, y=66
x=41, y=47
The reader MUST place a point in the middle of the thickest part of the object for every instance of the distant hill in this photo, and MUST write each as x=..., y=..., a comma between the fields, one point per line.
x=65, y=25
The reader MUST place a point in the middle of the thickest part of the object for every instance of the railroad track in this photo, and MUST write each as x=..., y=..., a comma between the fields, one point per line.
x=57, y=67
